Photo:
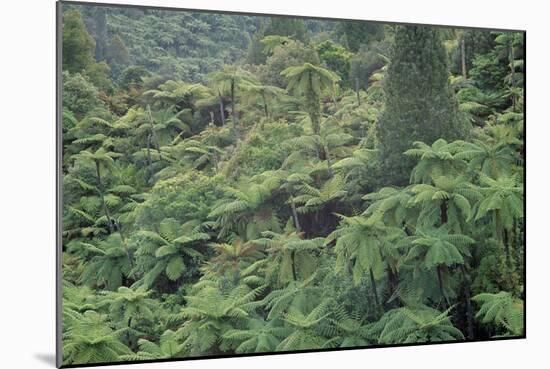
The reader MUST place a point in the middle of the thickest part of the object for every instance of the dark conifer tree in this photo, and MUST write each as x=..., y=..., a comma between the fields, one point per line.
x=293, y=27
x=359, y=33
x=420, y=105
x=78, y=45
x=118, y=55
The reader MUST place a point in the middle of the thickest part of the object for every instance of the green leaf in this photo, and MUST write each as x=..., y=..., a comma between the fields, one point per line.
x=175, y=268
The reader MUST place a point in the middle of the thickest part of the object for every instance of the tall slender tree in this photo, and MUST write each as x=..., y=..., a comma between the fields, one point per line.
x=309, y=81
x=420, y=105
x=226, y=83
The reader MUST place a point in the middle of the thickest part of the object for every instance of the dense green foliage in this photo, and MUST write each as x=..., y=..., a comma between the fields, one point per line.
x=237, y=184
x=419, y=101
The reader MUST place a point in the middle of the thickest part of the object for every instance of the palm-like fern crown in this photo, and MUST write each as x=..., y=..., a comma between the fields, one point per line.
x=492, y=158
x=91, y=340
x=362, y=244
x=210, y=312
x=308, y=77
x=92, y=132
x=196, y=153
x=456, y=194
x=410, y=324
x=271, y=42
x=438, y=246
x=346, y=329
x=236, y=212
x=77, y=300
x=129, y=306
x=168, y=347
x=296, y=292
x=503, y=195
x=435, y=160
x=168, y=247
x=507, y=134
x=354, y=164
x=390, y=205
x=305, y=317
x=234, y=257
x=110, y=264
x=179, y=93
x=254, y=91
x=314, y=199
x=329, y=136
x=101, y=157
x=168, y=119
x=257, y=336
x=502, y=309
x=291, y=254
x=222, y=81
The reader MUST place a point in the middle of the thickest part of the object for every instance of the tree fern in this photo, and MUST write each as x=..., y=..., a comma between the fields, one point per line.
x=502, y=310
x=414, y=325
x=91, y=340
x=167, y=251
x=168, y=347
x=110, y=264
x=435, y=160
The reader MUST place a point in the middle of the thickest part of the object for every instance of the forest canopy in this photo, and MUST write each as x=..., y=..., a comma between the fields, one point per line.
x=246, y=184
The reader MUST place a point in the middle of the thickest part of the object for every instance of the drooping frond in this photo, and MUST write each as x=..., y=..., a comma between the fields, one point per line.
x=503, y=310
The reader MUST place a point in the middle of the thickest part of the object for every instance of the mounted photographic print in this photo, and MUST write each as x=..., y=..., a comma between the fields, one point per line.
x=247, y=184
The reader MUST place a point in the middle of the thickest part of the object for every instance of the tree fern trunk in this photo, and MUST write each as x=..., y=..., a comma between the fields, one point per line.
x=505, y=240
x=374, y=290
x=469, y=310
x=128, y=332
x=463, y=57
x=104, y=204
x=222, y=110
x=295, y=214
x=406, y=229
x=501, y=236
x=293, y=264
x=511, y=260
x=106, y=210
x=498, y=230
x=518, y=248
x=444, y=207
x=313, y=109
x=512, y=71
x=357, y=91
x=215, y=162
x=329, y=164
x=154, y=135
x=392, y=281
x=233, y=102
x=149, y=161
x=265, y=105
x=122, y=237
x=441, y=289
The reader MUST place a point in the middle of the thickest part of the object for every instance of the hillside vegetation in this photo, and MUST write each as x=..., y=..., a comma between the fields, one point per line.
x=240, y=184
